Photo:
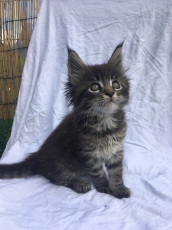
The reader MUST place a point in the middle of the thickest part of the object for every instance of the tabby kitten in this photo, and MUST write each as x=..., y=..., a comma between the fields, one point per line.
x=92, y=134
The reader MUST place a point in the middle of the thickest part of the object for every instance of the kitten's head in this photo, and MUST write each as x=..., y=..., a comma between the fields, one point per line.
x=99, y=88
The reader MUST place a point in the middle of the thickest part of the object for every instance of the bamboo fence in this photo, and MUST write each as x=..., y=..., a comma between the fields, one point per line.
x=17, y=20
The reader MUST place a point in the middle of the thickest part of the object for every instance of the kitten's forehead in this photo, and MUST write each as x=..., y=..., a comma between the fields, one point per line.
x=99, y=72
x=102, y=75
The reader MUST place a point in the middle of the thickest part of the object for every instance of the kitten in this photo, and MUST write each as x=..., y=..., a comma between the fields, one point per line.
x=91, y=134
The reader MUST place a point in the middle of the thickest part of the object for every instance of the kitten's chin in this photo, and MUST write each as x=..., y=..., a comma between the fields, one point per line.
x=110, y=107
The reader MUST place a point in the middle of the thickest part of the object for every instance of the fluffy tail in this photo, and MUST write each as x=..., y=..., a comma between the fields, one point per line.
x=23, y=169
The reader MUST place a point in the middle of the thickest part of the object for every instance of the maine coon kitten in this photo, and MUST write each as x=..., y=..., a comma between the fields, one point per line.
x=91, y=134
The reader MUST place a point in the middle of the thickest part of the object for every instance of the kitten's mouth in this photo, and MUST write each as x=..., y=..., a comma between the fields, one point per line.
x=110, y=100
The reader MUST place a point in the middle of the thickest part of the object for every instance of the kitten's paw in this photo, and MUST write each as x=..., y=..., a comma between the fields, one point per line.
x=121, y=192
x=80, y=186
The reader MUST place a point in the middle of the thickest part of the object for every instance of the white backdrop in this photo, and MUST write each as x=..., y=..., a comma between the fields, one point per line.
x=93, y=29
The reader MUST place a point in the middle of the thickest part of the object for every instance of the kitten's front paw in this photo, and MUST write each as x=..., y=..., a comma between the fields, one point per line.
x=121, y=192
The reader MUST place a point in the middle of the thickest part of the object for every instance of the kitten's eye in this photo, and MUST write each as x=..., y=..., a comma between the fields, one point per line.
x=116, y=85
x=95, y=87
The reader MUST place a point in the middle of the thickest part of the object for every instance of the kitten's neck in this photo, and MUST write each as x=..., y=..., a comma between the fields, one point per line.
x=99, y=122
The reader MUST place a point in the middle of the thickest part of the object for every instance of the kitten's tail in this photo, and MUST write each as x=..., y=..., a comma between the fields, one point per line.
x=26, y=168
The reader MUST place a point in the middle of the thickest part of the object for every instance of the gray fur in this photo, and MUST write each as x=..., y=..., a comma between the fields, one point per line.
x=93, y=133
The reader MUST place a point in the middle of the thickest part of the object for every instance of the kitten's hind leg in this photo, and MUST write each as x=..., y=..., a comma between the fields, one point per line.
x=76, y=184
x=79, y=186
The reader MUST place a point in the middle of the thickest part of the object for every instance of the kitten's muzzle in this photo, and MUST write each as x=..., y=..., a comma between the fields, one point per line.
x=109, y=100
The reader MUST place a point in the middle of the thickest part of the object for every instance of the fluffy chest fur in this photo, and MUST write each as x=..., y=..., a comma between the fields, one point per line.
x=104, y=137
x=107, y=147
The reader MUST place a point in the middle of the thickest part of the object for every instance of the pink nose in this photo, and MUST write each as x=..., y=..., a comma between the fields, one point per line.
x=110, y=94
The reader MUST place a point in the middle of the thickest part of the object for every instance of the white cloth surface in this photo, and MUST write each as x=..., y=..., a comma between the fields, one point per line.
x=93, y=29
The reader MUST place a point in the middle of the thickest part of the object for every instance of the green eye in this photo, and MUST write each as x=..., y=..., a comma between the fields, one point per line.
x=95, y=87
x=116, y=85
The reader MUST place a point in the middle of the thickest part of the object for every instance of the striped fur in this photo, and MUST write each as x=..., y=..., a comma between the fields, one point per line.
x=93, y=133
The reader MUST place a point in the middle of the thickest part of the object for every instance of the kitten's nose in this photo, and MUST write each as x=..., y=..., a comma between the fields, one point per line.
x=110, y=94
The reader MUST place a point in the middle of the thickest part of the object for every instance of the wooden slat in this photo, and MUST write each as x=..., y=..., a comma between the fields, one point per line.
x=1, y=61
x=6, y=60
x=12, y=55
x=15, y=80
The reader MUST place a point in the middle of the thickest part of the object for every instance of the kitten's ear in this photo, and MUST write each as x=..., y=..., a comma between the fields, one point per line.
x=116, y=58
x=76, y=66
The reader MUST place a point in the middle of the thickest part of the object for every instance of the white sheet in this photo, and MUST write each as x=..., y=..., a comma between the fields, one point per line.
x=93, y=29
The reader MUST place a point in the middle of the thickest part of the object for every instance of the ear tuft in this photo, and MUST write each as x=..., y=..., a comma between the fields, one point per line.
x=69, y=50
x=116, y=58
x=76, y=66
